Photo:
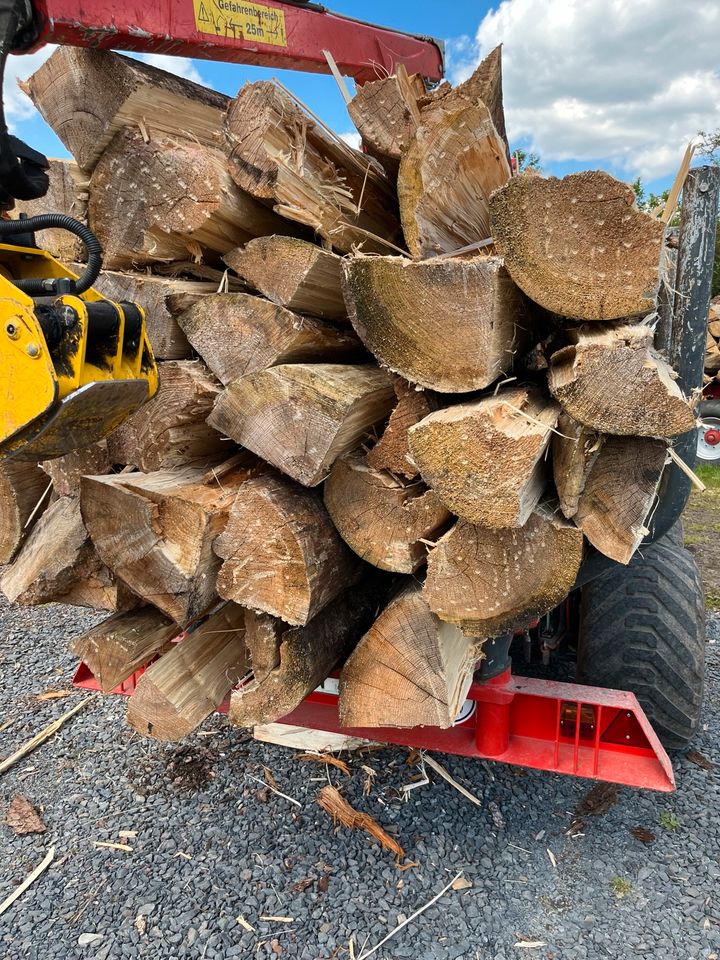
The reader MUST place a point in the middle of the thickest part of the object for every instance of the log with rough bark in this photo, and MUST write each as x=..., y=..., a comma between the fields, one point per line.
x=67, y=193
x=24, y=495
x=170, y=430
x=391, y=451
x=449, y=325
x=120, y=645
x=281, y=553
x=386, y=521
x=292, y=273
x=237, y=334
x=306, y=655
x=613, y=380
x=575, y=449
x=170, y=200
x=156, y=531
x=277, y=151
x=486, y=460
x=447, y=174
x=59, y=563
x=491, y=582
x=302, y=417
x=65, y=472
x=182, y=688
x=87, y=96
x=578, y=246
x=410, y=669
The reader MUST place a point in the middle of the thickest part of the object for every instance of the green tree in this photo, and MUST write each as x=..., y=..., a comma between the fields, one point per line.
x=526, y=160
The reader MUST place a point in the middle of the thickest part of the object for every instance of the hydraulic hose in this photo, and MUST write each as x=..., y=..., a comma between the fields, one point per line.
x=60, y=221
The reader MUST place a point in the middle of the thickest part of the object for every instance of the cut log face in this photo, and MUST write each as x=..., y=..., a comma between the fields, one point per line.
x=67, y=193
x=306, y=656
x=184, y=686
x=619, y=494
x=292, y=273
x=384, y=520
x=278, y=152
x=170, y=430
x=23, y=497
x=410, y=669
x=237, y=334
x=302, y=417
x=491, y=582
x=156, y=532
x=449, y=325
x=391, y=452
x=282, y=554
x=263, y=636
x=578, y=246
x=65, y=472
x=384, y=118
x=612, y=380
x=575, y=449
x=87, y=96
x=484, y=84
x=120, y=645
x=455, y=161
x=485, y=460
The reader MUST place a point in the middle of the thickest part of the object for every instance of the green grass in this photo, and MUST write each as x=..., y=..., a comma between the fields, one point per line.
x=620, y=887
x=669, y=821
x=710, y=476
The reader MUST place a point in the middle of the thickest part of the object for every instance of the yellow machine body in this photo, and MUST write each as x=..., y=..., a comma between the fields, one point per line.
x=73, y=389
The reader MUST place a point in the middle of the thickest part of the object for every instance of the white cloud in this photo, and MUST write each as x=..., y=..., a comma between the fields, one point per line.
x=180, y=66
x=352, y=138
x=18, y=106
x=628, y=82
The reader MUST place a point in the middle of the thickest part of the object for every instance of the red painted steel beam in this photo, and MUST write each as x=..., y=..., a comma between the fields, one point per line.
x=267, y=34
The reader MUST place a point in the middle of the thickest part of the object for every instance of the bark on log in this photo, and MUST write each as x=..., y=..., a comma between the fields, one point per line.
x=575, y=449
x=237, y=334
x=491, y=582
x=278, y=152
x=612, y=380
x=120, y=645
x=306, y=655
x=485, y=460
x=87, y=96
x=22, y=488
x=391, y=452
x=67, y=193
x=292, y=273
x=410, y=669
x=156, y=531
x=384, y=520
x=65, y=472
x=302, y=417
x=578, y=246
x=170, y=430
x=449, y=325
x=281, y=553
x=184, y=686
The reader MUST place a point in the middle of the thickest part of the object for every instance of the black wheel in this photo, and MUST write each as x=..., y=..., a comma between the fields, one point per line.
x=642, y=628
x=708, y=433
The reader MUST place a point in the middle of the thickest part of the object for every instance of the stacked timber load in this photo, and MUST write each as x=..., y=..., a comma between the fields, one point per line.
x=402, y=394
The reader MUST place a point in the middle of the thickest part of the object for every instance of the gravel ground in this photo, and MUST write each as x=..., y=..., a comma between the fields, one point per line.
x=212, y=845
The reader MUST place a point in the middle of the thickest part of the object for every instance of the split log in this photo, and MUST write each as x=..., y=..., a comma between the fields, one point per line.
x=237, y=334
x=263, y=634
x=170, y=200
x=277, y=151
x=59, y=563
x=455, y=161
x=712, y=353
x=120, y=645
x=449, y=325
x=485, y=460
x=170, y=430
x=281, y=553
x=491, y=582
x=575, y=449
x=306, y=655
x=87, y=96
x=65, y=472
x=391, y=451
x=385, y=114
x=184, y=686
x=484, y=84
x=578, y=246
x=302, y=417
x=292, y=273
x=67, y=193
x=23, y=497
x=156, y=531
x=410, y=669
x=613, y=380
x=385, y=521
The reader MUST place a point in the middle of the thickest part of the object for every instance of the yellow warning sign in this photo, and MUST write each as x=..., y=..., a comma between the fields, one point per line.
x=241, y=21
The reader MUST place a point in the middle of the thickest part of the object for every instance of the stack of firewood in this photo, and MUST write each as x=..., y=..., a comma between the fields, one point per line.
x=400, y=391
x=712, y=345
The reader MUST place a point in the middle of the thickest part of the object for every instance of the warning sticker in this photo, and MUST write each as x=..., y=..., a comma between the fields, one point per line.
x=241, y=21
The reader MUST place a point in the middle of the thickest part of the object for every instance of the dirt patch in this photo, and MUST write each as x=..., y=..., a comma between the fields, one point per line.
x=701, y=523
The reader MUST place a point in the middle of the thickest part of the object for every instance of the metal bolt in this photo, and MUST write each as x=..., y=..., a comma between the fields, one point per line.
x=32, y=350
x=11, y=330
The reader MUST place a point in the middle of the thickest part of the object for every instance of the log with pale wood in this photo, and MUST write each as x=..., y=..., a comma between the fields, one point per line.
x=24, y=494
x=66, y=472
x=391, y=452
x=67, y=193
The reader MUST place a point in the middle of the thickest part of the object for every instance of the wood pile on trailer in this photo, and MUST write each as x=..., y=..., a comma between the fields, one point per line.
x=402, y=393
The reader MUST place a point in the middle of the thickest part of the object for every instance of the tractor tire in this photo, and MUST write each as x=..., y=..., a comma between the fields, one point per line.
x=642, y=628
x=709, y=416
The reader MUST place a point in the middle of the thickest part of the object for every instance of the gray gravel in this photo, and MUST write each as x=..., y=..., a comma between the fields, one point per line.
x=211, y=846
